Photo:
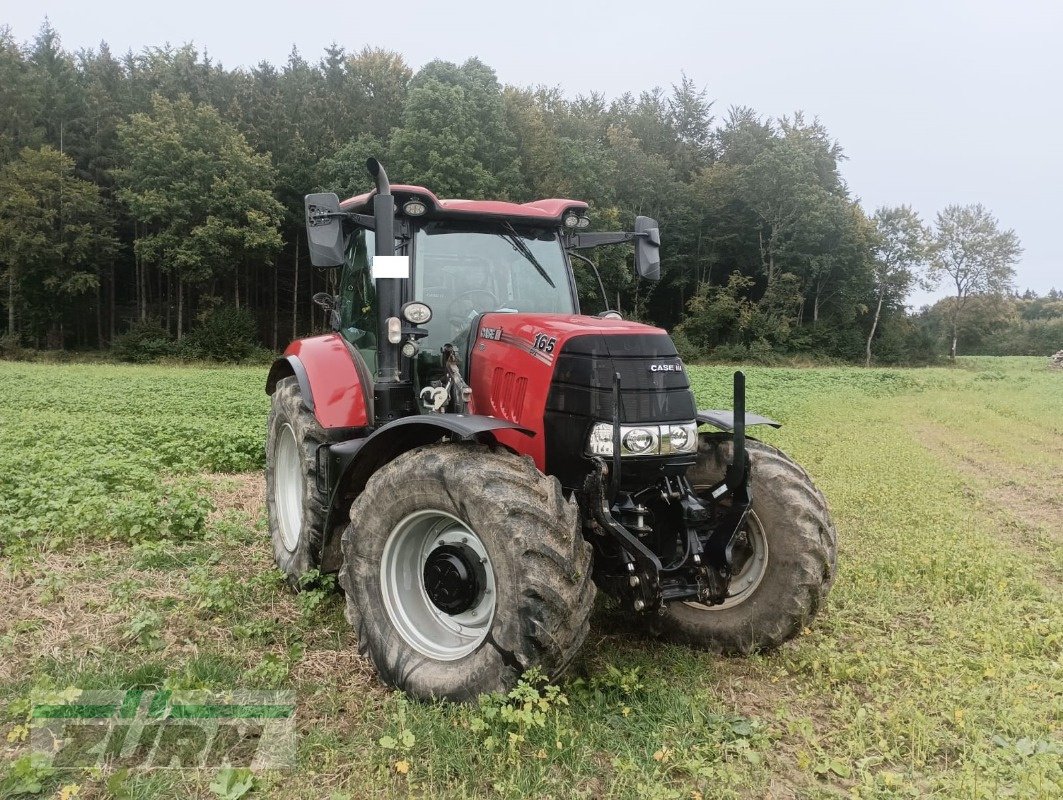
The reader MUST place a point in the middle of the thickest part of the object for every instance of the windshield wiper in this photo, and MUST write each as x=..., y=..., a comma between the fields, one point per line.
x=515, y=239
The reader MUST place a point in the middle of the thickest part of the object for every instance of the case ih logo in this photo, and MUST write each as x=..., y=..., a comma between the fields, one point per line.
x=494, y=334
x=677, y=367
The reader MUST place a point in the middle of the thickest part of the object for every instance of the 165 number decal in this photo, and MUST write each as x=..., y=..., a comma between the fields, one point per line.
x=542, y=341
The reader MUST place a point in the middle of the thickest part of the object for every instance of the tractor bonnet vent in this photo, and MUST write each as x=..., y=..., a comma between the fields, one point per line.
x=507, y=393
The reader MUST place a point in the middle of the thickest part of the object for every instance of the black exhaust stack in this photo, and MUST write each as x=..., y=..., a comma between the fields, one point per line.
x=391, y=394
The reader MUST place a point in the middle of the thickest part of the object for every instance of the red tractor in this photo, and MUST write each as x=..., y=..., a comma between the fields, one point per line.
x=475, y=458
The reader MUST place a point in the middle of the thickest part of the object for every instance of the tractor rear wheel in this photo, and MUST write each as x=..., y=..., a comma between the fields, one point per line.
x=297, y=508
x=464, y=567
x=789, y=555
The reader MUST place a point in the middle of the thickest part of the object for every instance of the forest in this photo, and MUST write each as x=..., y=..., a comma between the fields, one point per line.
x=151, y=204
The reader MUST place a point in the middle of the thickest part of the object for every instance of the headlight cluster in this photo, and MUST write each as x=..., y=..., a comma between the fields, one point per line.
x=644, y=440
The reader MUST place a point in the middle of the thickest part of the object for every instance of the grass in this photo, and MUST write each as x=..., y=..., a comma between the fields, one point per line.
x=135, y=555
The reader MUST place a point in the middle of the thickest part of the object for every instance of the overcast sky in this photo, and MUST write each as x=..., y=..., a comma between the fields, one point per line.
x=934, y=102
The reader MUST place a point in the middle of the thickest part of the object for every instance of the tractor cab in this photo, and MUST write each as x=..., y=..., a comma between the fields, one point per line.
x=454, y=261
x=460, y=269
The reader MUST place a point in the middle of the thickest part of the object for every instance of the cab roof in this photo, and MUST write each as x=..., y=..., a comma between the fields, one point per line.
x=547, y=212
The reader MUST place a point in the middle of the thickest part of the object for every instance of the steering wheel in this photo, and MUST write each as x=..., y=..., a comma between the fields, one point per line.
x=463, y=307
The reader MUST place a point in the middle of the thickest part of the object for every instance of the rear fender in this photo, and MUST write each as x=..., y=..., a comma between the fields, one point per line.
x=353, y=462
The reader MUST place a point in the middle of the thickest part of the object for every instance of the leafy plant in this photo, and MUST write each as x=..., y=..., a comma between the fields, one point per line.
x=506, y=721
x=215, y=594
x=146, y=628
x=28, y=774
x=52, y=587
x=400, y=742
x=232, y=784
x=272, y=670
x=314, y=589
x=613, y=682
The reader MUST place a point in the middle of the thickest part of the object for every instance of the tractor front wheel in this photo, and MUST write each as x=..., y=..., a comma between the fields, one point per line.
x=464, y=567
x=787, y=549
x=297, y=507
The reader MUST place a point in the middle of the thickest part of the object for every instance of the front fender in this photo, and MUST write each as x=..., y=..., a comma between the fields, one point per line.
x=333, y=380
x=291, y=366
x=725, y=419
x=353, y=462
x=368, y=454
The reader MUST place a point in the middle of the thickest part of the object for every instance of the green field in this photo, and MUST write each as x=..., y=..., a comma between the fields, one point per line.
x=135, y=555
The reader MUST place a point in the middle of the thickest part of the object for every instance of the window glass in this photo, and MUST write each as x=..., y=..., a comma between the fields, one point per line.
x=463, y=271
x=358, y=296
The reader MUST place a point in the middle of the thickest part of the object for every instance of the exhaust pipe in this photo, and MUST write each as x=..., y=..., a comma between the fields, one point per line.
x=388, y=290
x=376, y=170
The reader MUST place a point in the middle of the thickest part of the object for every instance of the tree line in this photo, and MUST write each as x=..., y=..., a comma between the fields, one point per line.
x=159, y=189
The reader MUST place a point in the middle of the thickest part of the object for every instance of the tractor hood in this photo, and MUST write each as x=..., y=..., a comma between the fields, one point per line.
x=543, y=336
x=554, y=374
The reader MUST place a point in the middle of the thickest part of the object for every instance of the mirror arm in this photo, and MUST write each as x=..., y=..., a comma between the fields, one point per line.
x=363, y=220
x=583, y=241
x=322, y=218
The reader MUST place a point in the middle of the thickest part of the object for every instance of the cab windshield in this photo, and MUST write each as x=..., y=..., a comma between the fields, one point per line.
x=464, y=270
x=461, y=271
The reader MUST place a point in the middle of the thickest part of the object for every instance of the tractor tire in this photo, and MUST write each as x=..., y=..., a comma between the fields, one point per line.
x=792, y=549
x=464, y=567
x=297, y=509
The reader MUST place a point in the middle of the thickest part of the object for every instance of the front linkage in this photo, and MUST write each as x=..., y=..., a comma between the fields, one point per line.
x=707, y=552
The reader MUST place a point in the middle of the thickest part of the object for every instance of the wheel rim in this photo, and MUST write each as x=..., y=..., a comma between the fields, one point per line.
x=752, y=572
x=438, y=585
x=288, y=487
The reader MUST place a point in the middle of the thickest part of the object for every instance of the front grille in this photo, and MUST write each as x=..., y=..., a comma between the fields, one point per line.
x=581, y=393
x=583, y=379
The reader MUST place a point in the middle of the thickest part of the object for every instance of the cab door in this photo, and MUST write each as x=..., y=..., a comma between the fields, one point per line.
x=358, y=311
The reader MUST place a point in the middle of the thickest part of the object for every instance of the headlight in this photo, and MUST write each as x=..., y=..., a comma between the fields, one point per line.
x=680, y=437
x=416, y=312
x=644, y=440
x=638, y=441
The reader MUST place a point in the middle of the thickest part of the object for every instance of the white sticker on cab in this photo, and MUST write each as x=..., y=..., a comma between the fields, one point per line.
x=391, y=267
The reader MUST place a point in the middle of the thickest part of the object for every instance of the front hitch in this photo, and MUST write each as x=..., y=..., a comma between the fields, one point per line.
x=735, y=483
x=709, y=542
x=640, y=580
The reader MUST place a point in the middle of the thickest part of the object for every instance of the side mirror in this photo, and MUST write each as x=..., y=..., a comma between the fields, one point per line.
x=324, y=230
x=647, y=249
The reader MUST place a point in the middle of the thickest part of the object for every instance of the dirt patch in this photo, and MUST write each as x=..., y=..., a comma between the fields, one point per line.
x=1018, y=490
x=341, y=671
x=243, y=492
x=81, y=601
x=1027, y=507
x=68, y=605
